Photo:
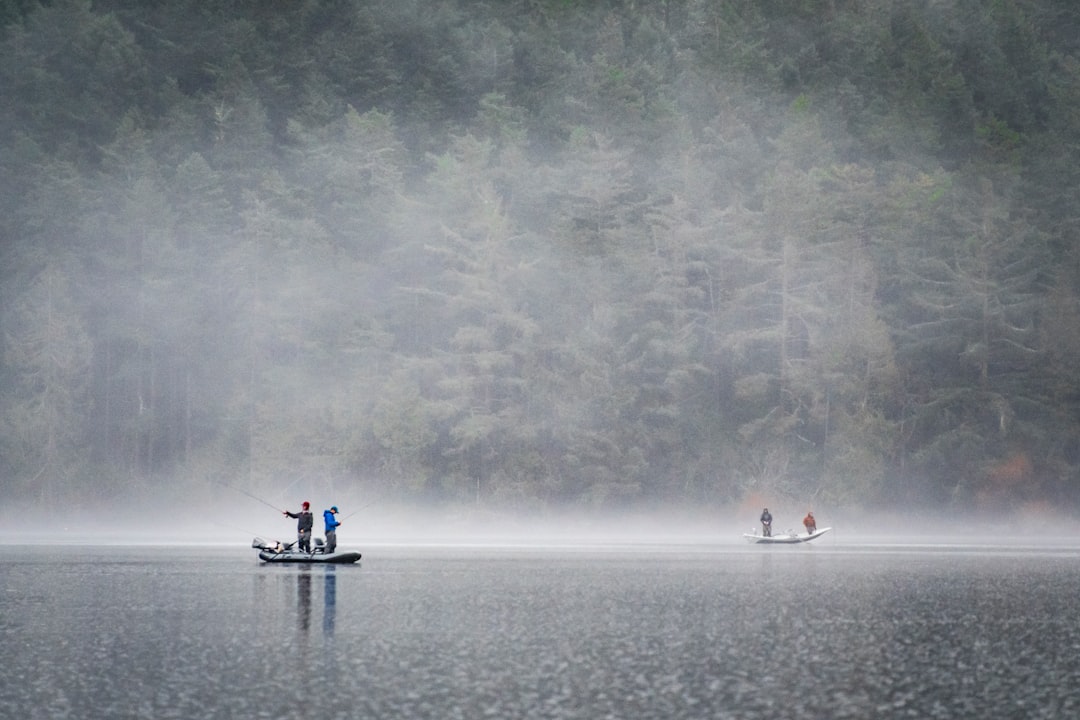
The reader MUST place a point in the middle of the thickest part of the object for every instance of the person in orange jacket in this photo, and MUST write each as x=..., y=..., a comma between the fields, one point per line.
x=810, y=523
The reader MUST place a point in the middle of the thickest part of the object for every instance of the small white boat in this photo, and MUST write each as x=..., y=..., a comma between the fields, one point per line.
x=788, y=538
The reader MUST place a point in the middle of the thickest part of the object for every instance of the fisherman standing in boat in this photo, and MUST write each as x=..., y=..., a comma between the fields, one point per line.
x=810, y=523
x=331, y=528
x=766, y=523
x=304, y=522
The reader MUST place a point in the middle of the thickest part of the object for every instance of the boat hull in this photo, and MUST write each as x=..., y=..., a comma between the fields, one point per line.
x=337, y=558
x=788, y=539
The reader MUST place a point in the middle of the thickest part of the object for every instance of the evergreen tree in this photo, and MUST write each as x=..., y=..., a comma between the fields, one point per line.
x=47, y=350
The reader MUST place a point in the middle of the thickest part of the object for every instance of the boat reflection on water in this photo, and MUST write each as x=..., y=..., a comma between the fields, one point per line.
x=303, y=598
x=329, y=600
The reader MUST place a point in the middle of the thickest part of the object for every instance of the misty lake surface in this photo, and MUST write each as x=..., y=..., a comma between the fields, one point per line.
x=824, y=631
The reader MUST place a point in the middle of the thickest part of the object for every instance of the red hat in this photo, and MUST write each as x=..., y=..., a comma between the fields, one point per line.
x=306, y=504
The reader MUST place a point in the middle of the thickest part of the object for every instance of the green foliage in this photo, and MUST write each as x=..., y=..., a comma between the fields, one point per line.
x=528, y=254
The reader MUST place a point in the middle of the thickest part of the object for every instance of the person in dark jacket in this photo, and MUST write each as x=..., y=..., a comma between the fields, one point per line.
x=304, y=522
x=331, y=528
x=766, y=523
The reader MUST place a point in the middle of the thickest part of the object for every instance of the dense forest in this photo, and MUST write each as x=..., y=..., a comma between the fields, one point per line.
x=541, y=254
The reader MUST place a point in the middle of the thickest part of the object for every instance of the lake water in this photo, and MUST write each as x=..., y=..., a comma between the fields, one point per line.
x=822, y=631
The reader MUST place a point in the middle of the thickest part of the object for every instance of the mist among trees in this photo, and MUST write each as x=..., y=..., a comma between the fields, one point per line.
x=543, y=254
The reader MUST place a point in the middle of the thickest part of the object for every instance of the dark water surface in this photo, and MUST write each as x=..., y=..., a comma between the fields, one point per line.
x=691, y=632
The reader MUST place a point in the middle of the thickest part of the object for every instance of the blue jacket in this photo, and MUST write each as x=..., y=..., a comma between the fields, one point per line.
x=331, y=523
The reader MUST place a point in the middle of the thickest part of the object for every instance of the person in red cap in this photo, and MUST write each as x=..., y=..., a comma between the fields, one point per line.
x=304, y=520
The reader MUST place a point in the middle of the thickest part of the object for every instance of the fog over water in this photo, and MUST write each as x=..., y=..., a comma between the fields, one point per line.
x=368, y=524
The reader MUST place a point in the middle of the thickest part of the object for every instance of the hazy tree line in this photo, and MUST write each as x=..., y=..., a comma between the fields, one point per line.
x=545, y=252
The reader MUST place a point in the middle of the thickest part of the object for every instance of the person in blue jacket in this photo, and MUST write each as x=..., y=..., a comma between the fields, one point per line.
x=331, y=528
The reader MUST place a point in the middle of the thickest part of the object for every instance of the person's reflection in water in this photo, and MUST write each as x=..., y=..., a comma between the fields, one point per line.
x=329, y=609
x=303, y=598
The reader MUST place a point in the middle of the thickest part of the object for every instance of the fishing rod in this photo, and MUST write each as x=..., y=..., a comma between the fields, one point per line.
x=245, y=492
x=362, y=507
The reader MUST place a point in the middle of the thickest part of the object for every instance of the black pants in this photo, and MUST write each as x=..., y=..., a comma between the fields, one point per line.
x=766, y=530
